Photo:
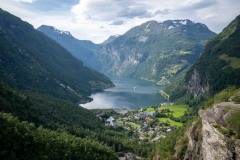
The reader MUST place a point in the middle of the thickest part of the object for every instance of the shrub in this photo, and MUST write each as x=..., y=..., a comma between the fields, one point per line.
x=233, y=122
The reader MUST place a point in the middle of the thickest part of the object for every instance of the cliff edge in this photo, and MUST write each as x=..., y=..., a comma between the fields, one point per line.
x=212, y=140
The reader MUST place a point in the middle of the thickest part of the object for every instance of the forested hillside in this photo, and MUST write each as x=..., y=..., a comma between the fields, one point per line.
x=216, y=69
x=32, y=61
x=60, y=120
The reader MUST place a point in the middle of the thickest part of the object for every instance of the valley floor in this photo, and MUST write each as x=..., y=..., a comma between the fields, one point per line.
x=148, y=124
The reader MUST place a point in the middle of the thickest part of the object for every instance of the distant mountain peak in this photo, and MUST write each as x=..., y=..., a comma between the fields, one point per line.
x=172, y=24
x=111, y=39
x=51, y=28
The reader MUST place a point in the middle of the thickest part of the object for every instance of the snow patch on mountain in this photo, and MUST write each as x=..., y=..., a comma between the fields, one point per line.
x=61, y=32
x=184, y=22
x=148, y=25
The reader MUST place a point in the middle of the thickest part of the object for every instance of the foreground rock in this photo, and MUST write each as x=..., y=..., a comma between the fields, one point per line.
x=207, y=142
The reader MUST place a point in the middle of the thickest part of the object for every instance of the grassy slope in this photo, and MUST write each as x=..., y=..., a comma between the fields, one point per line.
x=171, y=122
x=177, y=110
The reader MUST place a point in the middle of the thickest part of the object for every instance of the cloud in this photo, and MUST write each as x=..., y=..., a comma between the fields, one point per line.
x=109, y=10
x=199, y=5
x=162, y=12
x=96, y=20
x=117, y=23
x=24, y=1
x=133, y=12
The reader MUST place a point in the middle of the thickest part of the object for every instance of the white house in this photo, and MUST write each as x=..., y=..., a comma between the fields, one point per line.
x=111, y=121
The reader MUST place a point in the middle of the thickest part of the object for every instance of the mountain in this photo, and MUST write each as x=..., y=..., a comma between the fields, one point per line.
x=217, y=68
x=154, y=51
x=219, y=65
x=40, y=83
x=82, y=49
x=110, y=39
x=211, y=88
x=29, y=60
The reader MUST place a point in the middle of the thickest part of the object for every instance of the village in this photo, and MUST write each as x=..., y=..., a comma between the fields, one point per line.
x=146, y=124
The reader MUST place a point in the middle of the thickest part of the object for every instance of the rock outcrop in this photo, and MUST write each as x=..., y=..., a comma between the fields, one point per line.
x=206, y=142
x=196, y=85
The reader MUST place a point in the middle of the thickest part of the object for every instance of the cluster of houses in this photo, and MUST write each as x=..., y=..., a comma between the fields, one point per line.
x=144, y=129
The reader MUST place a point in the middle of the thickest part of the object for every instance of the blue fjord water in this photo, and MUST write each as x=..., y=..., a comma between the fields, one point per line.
x=128, y=93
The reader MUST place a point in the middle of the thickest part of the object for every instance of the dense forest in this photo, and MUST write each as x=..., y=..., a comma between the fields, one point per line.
x=60, y=117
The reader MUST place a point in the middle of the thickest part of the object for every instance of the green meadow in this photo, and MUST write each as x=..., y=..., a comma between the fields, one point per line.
x=171, y=122
x=177, y=110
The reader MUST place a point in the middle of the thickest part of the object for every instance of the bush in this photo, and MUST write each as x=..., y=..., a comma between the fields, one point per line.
x=236, y=97
x=233, y=122
x=224, y=95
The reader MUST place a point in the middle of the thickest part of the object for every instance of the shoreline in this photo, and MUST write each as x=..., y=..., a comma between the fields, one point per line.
x=164, y=94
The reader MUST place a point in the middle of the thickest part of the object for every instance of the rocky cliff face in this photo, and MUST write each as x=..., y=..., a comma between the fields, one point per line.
x=206, y=142
x=196, y=85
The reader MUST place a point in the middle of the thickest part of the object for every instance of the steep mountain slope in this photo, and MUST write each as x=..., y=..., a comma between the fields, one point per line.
x=219, y=65
x=29, y=60
x=155, y=51
x=29, y=132
x=81, y=49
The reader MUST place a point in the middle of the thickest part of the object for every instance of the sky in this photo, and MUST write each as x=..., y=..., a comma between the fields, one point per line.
x=96, y=20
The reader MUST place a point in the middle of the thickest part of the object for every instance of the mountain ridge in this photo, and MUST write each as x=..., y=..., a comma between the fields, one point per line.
x=84, y=50
x=32, y=61
x=223, y=50
x=154, y=51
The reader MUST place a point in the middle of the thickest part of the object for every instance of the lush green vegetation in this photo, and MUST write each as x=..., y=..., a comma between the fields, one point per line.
x=171, y=122
x=233, y=61
x=231, y=93
x=32, y=61
x=174, y=115
x=46, y=110
x=64, y=116
x=234, y=123
x=22, y=140
x=176, y=110
x=149, y=109
x=131, y=124
x=166, y=147
x=218, y=65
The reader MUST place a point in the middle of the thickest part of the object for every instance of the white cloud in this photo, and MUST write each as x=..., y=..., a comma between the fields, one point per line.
x=25, y=1
x=96, y=20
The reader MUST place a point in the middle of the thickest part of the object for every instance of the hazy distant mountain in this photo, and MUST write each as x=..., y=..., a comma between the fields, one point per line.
x=110, y=39
x=29, y=60
x=81, y=49
x=154, y=51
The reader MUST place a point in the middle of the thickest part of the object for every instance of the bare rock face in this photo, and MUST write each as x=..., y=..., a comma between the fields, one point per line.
x=196, y=86
x=194, y=135
x=205, y=140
